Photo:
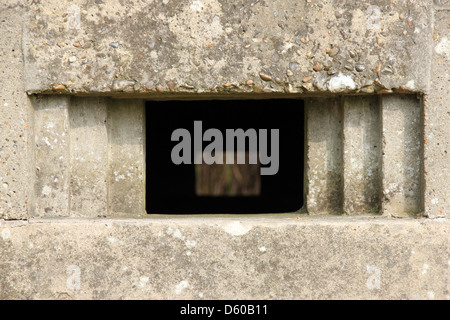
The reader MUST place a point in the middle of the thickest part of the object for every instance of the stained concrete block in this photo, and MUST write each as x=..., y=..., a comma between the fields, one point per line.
x=437, y=123
x=442, y=4
x=362, y=155
x=16, y=120
x=402, y=155
x=218, y=57
x=264, y=257
x=126, y=143
x=213, y=46
x=324, y=163
x=52, y=155
x=88, y=157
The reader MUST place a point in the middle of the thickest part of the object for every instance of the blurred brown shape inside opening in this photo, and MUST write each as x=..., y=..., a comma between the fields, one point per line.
x=228, y=179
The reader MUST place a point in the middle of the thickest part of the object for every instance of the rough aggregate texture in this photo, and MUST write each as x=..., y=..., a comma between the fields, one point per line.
x=214, y=46
x=437, y=122
x=231, y=258
x=16, y=124
x=220, y=48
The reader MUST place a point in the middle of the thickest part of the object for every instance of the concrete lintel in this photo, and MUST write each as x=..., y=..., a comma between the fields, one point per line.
x=211, y=46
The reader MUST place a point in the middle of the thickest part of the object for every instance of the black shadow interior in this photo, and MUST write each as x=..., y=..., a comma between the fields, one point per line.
x=170, y=188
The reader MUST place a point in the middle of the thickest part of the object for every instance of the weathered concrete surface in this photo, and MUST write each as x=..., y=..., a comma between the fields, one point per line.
x=88, y=157
x=225, y=258
x=52, y=156
x=362, y=155
x=324, y=163
x=402, y=155
x=221, y=55
x=104, y=156
x=16, y=125
x=126, y=165
x=437, y=120
x=213, y=46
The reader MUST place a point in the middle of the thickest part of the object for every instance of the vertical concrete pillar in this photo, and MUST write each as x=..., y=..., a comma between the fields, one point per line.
x=324, y=156
x=362, y=155
x=52, y=155
x=126, y=136
x=16, y=117
x=437, y=120
x=89, y=157
x=402, y=154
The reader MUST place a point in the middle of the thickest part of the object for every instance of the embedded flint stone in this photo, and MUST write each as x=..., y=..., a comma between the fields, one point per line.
x=341, y=83
x=123, y=85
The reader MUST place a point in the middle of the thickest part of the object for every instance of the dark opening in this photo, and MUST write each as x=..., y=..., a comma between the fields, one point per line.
x=175, y=188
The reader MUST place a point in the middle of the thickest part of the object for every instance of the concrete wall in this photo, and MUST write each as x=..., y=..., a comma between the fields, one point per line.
x=89, y=157
x=437, y=118
x=16, y=119
x=363, y=156
x=55, y=241
x=227, y=47
x=224, y=258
